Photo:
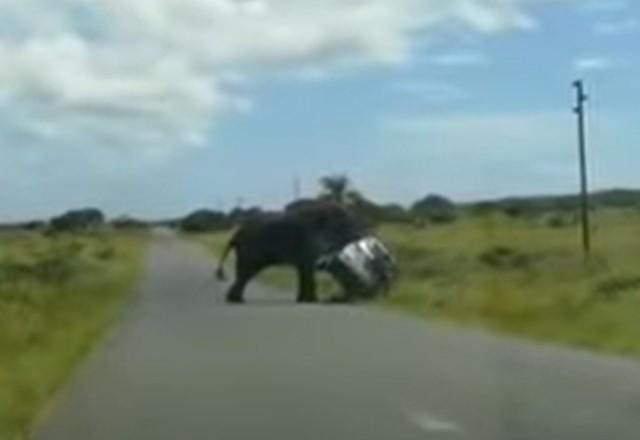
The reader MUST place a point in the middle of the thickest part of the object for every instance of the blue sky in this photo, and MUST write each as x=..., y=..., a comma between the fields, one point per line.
x=157, y=108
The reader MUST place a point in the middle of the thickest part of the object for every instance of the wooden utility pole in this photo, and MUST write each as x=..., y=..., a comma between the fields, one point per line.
x=581, y=99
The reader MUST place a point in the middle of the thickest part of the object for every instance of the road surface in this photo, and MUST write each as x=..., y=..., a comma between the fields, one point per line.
x=182, y=365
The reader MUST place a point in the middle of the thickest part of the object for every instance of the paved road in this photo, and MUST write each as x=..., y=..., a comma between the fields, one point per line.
x=184, y=366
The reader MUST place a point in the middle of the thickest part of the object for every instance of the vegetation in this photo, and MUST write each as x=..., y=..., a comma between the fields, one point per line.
x=526, y=278
x=205, y=220
x=336, y=187
x=435, y=208
x=79, y=220
x=128, y=223
x=564, y=204
x=57, y=296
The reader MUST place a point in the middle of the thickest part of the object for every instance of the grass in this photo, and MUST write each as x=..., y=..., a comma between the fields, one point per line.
x=517, y=276
x=524, y=278
x=57, y=297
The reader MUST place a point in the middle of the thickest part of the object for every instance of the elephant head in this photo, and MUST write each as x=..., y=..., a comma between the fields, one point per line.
x=331, y=226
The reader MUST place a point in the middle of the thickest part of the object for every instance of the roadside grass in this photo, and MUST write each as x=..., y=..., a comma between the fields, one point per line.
x=519, y=276
x=524, y=278
x=57, y=297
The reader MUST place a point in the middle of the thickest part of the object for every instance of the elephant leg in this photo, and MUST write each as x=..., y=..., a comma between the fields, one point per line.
x=244, y=274
x=235, y=295
x=306, y=284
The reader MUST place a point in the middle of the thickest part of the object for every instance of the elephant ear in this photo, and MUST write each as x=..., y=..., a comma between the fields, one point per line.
x=341, y=227
x=332, y=226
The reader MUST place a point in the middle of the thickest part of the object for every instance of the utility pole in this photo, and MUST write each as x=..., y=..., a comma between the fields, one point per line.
x=581, y=99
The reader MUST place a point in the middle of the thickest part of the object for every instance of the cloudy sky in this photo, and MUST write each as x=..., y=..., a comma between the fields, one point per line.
x=156, y=107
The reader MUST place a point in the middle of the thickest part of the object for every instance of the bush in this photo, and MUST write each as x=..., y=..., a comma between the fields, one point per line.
x=79, y=220
x=436, y=209
x=126, y=222
x=557, y=221
x=611, y=288
x=35, y=225
x=205, y=220
x=501, y=257
x=106, y=253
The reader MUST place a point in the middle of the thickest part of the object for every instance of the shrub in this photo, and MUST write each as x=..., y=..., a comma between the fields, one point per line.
x=204, y=220
x=436, y=209
x=79, y=220
x=501, y=257
x=126, y=222
x=106, y=253
x=612, y=287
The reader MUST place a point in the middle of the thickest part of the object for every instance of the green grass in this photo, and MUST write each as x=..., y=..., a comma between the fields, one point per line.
x=526, y=279
x=517, y=276
x=57, y=297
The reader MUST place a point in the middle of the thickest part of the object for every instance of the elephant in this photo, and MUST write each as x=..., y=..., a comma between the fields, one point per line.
x=297, y=237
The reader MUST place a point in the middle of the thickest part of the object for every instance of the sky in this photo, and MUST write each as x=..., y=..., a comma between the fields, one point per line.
x=154, y=108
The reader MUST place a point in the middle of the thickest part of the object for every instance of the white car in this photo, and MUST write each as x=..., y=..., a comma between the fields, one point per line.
x=364, y=268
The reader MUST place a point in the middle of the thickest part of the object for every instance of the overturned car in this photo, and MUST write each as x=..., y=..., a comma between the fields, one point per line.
x=365, y=269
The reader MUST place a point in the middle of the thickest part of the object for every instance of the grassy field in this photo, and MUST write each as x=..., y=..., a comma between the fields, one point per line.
x=57, y=296
x=525, y=278
x=519, y=276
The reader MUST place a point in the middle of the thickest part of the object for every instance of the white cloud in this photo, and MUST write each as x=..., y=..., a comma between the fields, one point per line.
x=592, y=64
x=456, y=59
x=154, y=74
x=618, y=27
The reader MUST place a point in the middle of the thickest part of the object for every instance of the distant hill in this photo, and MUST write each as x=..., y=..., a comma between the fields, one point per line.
x=615, y=198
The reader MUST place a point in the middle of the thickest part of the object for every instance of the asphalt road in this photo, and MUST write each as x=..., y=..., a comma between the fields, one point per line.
x=182, y=365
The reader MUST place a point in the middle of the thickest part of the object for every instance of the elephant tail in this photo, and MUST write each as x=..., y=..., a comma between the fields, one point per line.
x=220, y=274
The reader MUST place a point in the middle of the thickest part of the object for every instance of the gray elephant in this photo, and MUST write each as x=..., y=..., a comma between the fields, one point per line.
x=298, y=237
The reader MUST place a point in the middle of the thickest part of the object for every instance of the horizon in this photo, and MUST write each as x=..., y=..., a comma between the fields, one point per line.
x=407, y=206
x=155, y=108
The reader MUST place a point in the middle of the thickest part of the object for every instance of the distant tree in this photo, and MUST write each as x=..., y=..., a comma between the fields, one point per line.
x=435, y=208
x=483, y=208
x=170, y=223
x=34, y=225
x=394, y=213
x=339, y=189
x=241, y=215
x=300, y=204
x=204, y=220
x=517, y=208
x=336, y=187
x=366, y=209
x=126, y=222
x=78, y=220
